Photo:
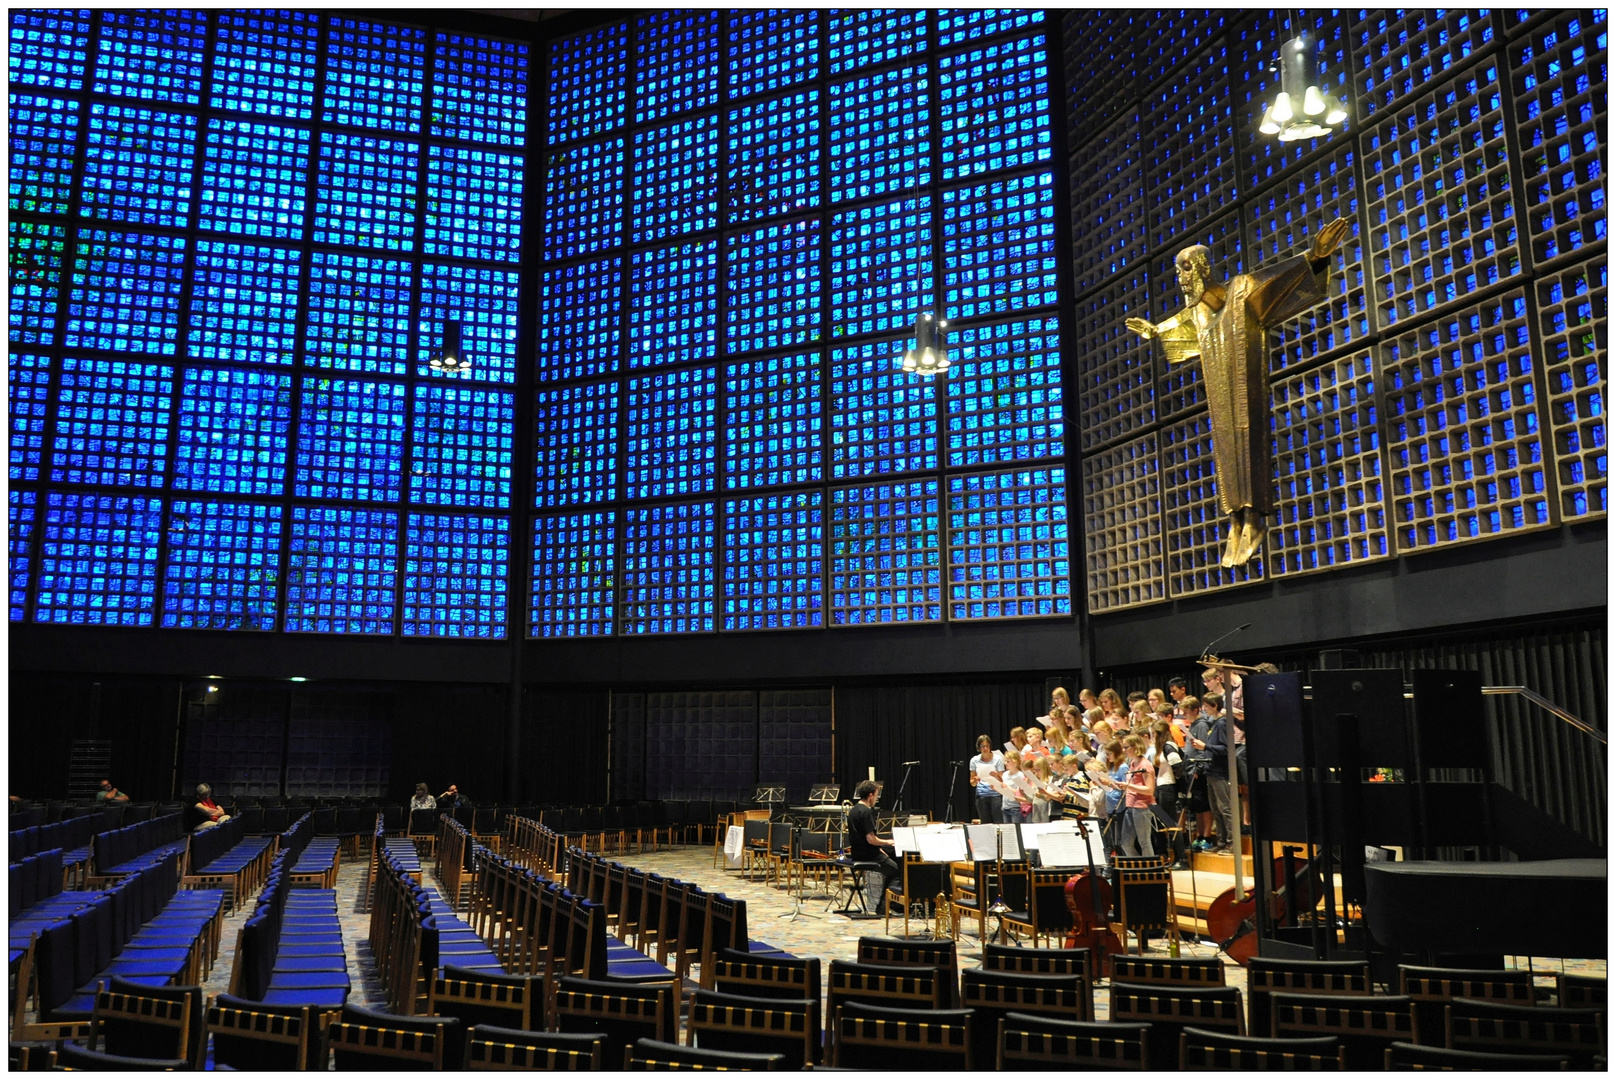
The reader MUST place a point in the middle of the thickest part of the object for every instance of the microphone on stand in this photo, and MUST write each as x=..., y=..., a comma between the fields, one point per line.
x=908, y=763
x=1206, y=653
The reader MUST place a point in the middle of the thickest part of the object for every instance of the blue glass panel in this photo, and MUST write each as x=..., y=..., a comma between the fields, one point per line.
x=673, y=313
x=880, y=136
x=772, y=165
x=374, y=73
x=264, y=63
x=350, y=440
x=367, y=192
x=359, y=313
x=98, y=563
x=43, y=131
x=454, y=576
x=860, y=37
x=773, y=287
x=583, y=200
x=484, y=301
x=575, y=445
x=223, y=561
x=343, y=570
x=473, y=204
x=462, y=445
x=771, y=49
x=152, y=55
x=1007, y=547
x=254, y=178
x=956, y=26
x=588, y=83
x=774, y=561
x=580, y=319
x=999, y=246
x=139, y=166
x=233, y=428
x=995, y=108
x=574, y=571
x=244, y=303
x=882, y=420
x=885, y=554
x=28, y=388
x=479, y=90
x=1004, y=392
x=112, y=421
x=49, y=48
x=772, y=428
x=881, y=266
x=126, y=292
x=19, y=547
x=36, y=280
x=672, y=433
x=675, y=63
x=668, y=569
x=675, y=179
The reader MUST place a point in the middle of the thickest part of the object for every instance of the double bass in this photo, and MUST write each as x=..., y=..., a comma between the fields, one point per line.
x=1088, y=898
x=1233, y=924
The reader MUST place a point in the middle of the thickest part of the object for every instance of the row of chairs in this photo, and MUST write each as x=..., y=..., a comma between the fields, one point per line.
x=132, y=848
x=317, y=866
x=71, y=836
x=226, y=858
x=34, y=880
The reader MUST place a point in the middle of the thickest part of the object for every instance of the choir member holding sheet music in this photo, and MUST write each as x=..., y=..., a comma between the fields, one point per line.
x=987, y=765
x=1016, y=788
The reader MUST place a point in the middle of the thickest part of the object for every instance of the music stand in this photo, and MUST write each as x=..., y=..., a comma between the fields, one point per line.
x=770, y=796
x=824, y=793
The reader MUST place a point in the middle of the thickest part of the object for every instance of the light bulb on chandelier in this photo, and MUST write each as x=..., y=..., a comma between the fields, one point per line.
x=1320, y=110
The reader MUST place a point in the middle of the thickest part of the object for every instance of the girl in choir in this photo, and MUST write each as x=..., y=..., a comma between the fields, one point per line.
x=987, y=763
x=1086, y=699
x=1112, y=708
x=1059, y=699
x=1044, y=799
x=1155, y=697
x=1138, y=787
x=1018, y=809
x=1056, y=742
x=1167, y=761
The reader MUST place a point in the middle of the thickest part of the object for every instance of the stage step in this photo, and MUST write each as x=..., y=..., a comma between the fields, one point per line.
x=1208, y=863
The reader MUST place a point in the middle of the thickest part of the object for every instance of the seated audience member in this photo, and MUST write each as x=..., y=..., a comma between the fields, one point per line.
x=423, y=800
x=108, y=793
x=453, y=799
x=204, y=813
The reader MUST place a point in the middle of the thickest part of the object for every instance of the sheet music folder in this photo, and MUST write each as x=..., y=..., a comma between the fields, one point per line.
x=985, y=842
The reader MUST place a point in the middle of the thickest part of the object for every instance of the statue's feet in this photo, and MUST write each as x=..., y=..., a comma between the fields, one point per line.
x=1252, y=533
x=1232, y=547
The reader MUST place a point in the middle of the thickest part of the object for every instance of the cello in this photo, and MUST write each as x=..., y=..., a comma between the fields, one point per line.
x=1088, y=898
x=1233, y=925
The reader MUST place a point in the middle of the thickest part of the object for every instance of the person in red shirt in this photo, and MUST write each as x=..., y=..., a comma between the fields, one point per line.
x=1138, y=796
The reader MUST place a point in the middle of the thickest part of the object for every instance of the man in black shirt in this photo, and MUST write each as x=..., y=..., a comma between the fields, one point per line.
x=864, y=845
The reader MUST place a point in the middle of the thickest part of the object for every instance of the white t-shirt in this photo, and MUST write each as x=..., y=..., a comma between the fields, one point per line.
x=984, y=768
x=1164, y=769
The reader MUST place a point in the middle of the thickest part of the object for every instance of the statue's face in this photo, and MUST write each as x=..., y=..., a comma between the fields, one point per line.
x=1190, y=281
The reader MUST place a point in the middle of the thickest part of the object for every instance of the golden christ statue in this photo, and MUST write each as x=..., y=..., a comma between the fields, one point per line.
x=1227, y=327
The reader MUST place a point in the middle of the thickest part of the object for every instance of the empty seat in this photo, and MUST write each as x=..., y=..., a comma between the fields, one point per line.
x=1032, y=1042
x=1402, y=1057
x=732, y=1022
x=370, y=1039
x=490, y=1047
x=651, y=1055
x=873, y=1037
x=1221, y=1052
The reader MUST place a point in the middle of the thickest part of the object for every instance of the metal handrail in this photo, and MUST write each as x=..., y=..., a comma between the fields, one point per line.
x=1522, y=691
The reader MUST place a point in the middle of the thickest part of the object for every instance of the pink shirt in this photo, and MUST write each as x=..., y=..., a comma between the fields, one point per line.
x=1140, y=772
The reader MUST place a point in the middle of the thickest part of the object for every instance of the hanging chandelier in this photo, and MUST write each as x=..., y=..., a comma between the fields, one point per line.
x=1302, y=109
x=929, y=356
x=450, y=359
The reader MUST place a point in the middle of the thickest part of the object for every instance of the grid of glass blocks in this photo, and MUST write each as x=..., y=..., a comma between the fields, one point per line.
x=574, y=575
x=1181, y=387
x=1109, y=228
x=675, y=179
x=462, y=444
x=675, y=63
x=483, y=300
x=1164, y=39
x=152, y=55
x=770, y=49
x=580, y=319
x=359, y=313
x=43, y=131
x=1122, y=525
x=243, y=303
x=673, y=304
x=233, y=431
x=28, y=388
x=1437, y=173
x=1399, y=52
x=881, y=266
x=575, y=445
x=49, y=48
x=1559, y=75
x=37, y=250
x=994, y=102
x=223, y=564
x=1195, y=528
x=1572, y=305
x=125, y=292
x=668, y=569
x=479, y=90
x=1096, y=93
x=1004, y=393
x=367, y=192
x=373, y=75
x=955, y=26
x=98, y=559
x=112, y=420
x=1254, y=86
x=885, y=554
x=1008, y=552
x=772, y=422
x=880, y=135
x=254, y=179
x=588, y=84
x=772, y=159
x=672, y=422
x=772, y=278
x=1331, y=503
x=1463, y=429
x=882, y=419
x=350, y=440
x=473, y=204
x=999, y=246
x=264, y=63
x=1116, y=368
x=861, y=37
x=19, y=547
x=455, y=568
x=774, y=556
x=1190, y=158
x=342, y=576
x=583, y=199
x=138, y=165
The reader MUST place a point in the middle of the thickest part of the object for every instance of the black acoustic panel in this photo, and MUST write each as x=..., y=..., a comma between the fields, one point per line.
x=628, y=748
x=1375, y=697
x=1448, y=720
x=1456, y=816
x=1274, y=720
x=1281, y=807
x=1390, y=817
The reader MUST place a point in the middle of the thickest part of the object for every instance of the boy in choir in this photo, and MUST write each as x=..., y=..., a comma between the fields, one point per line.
x=1035, y=747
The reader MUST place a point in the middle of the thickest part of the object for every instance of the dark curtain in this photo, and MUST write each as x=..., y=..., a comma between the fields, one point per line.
x=450, y=735
x=564, y=746
x=46, y=714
